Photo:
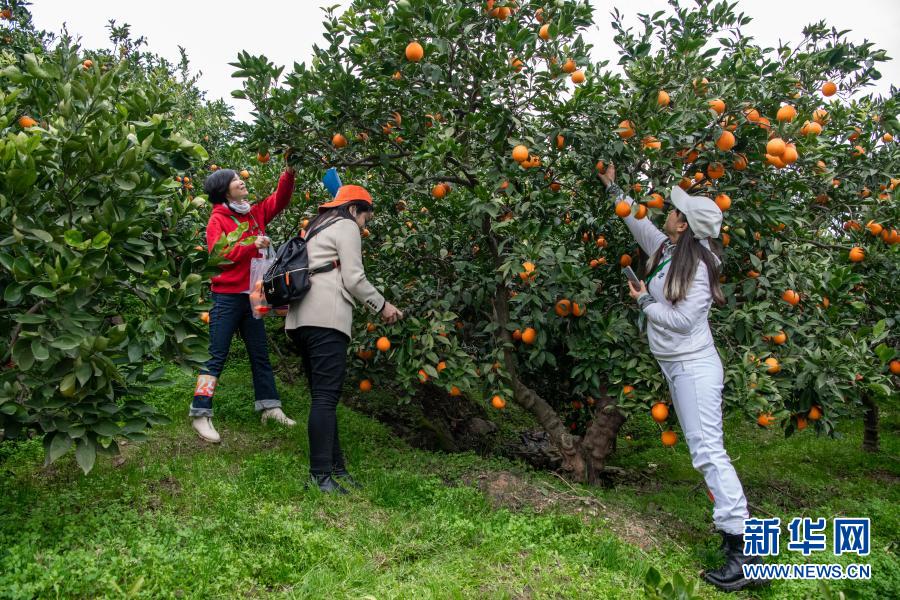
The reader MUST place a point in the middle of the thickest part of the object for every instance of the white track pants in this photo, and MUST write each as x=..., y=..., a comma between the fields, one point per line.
x=696, y=386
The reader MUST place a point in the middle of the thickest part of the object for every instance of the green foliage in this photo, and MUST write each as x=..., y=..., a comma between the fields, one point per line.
x=91, y=223
x=676, y=589
x=458, y=260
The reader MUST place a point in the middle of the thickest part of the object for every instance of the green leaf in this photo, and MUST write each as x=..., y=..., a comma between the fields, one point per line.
x=38, y=350
x=73, y=237
x=13, y=293
x=106, y=428
x=85, y=454
x=59, y=445
x=30, y=319
x=42, y=292
x=101, y=240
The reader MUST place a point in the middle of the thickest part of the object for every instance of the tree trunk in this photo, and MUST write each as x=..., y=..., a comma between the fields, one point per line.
x=870, y=433
x=600, y=438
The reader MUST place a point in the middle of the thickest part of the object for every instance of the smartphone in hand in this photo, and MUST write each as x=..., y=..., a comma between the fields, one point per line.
x=629, y=273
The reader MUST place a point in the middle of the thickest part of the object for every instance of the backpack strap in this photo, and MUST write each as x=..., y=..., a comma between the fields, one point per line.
x=310, y=234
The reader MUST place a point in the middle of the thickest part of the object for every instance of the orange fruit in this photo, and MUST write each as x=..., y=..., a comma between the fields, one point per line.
x=441, y=366
x=627, y=389
x=637, y=188
x=370, y=327
x=213, y=167
x=723, y=201
x=245, y=174
x=772, y=365
x=87, y=64
x=414, y=52
x=623, y=209
x=887, y=138
x=439, y=191
x=715, y=170
x=659, y=412
x=204, y=316
x=820, y=115
x=775, y=147
x=651, y=143
x=895, y=367
x=626, y=129
x=569, y=66
x=641, y=212
x=529, y=336
x=857, y=254
x=578, y=77
x=423, y=376
x=383, y=344
x=740, y=162
x=874, y=228
x=790, y=155
x=498, y=402
x=517, y=335
x=815, y=413
x=662, y=98
x=455, y=391
x=786, y=113
x=859, y=151
x=764, y=123
x=726, y=141
x=801, y=423
x=539, y=15
x=520, y=153
x=563, y=308
x=544, y=32
x=365, y=386
x=717, y=105
x=624, y=261
x=596, y=263
x=338, y=140
x=601, y=241
x=752, y=114
x=669, y=438
x=700, y=85
x=25, y=122
x=516, y=64
x=726, y=239
x=829, y=89
x=560, y=142
x=765, y=420
x=656, y=200
x=578, y=310
x=791, y=297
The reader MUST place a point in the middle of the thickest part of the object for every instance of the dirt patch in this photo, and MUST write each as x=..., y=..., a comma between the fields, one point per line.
x=883, y=476
x=505, y=489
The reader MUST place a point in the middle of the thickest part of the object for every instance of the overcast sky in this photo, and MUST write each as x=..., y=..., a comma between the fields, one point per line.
x=214, y=31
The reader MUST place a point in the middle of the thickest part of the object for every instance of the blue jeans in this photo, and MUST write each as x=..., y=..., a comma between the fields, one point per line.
x=230, y=313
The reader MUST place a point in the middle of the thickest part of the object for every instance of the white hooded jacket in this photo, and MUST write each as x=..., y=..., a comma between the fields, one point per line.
x=675, y=331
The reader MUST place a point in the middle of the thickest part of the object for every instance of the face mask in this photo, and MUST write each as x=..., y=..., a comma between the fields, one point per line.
x=242, y=209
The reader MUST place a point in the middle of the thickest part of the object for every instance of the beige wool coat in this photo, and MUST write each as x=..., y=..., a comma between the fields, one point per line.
x=333, y=294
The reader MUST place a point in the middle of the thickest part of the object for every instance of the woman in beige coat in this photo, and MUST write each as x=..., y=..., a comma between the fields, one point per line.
x=320, y=323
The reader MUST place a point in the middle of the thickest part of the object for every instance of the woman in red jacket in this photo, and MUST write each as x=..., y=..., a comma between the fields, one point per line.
x=231, y=300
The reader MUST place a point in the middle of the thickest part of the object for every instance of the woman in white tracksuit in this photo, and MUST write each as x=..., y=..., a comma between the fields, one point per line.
x=675, y=298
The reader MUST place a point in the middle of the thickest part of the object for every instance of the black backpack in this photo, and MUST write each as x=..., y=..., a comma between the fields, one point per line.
x=287, y=280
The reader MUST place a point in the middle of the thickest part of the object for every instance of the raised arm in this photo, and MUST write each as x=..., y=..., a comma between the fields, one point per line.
x=644, y=231
x=269, y=208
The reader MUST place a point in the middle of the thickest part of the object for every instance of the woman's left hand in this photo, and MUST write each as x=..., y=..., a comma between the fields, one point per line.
x=637, y=292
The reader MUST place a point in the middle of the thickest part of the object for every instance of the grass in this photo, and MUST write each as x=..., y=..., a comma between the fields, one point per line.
x=181, y=519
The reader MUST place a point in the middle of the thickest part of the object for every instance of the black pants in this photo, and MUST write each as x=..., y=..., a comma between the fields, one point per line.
x=324, y=354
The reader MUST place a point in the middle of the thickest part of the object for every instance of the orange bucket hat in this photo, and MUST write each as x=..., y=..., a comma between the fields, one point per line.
x=346, y=194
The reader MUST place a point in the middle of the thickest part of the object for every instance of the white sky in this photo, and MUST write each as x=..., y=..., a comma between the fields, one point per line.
x=214, y=31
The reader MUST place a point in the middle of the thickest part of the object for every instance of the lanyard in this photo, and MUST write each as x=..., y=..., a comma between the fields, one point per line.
x=658, y=268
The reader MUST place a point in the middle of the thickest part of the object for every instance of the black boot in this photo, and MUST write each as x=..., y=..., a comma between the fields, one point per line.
x=345, y=478
x=730, y=578
x=326, y=484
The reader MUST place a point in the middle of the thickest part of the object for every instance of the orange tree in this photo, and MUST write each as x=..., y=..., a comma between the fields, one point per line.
x=480, y=128
x=100, y=275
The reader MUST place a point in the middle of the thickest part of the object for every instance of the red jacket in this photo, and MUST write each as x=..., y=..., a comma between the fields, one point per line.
x=235, y=277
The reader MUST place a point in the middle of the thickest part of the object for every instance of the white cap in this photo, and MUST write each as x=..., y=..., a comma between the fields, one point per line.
x=702, y=214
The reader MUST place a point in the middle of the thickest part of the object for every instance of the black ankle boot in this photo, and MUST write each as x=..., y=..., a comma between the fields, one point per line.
x=326, y=484
x=730, y=578
x=345, y=478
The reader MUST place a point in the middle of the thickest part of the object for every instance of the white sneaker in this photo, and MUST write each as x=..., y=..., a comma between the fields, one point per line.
x=205, y=429
x=277, y=415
